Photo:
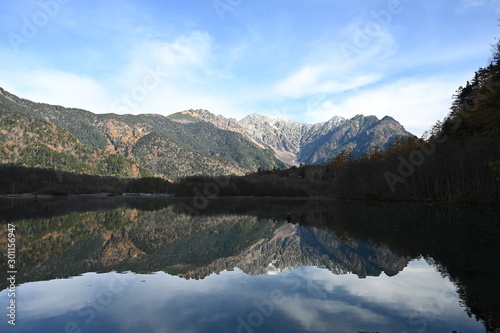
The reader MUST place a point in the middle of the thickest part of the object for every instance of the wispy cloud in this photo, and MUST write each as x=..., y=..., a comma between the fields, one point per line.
x=158, y=77
x=468, y=4
x=336, y=64
x=183, y=74
x=317, y=79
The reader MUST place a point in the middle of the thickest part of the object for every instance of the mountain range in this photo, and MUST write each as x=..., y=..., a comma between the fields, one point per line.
x=182, y=144
x=191, y=246
x=295, y=143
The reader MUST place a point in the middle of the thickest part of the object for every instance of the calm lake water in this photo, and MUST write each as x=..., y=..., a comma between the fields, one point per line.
x=248, y=265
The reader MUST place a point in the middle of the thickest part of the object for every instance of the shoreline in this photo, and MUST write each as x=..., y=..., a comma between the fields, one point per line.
x=173, y=196
x=97, y=195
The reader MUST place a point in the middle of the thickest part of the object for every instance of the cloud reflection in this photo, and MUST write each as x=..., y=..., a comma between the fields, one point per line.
x=312, y=299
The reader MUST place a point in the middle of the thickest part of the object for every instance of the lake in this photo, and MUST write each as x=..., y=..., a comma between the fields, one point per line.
x=118, y=264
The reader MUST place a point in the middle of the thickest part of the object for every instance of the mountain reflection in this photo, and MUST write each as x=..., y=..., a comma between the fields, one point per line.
x=257, y=237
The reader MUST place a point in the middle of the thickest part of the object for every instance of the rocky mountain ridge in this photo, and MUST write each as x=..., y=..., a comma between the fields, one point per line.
x=294, y=143
x=292, y=246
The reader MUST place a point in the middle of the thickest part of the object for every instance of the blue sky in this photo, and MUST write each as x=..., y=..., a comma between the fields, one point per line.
x=304, y=60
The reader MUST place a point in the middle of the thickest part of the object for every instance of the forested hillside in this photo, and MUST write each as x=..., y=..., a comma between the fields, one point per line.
x=157, y=143
x=31, y=142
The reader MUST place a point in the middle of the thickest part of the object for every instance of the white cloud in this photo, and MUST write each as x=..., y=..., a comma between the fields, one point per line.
x=195, y=71
x=190, y=50
x=160, y=77
x=130, y=300
x=354, y=60
x=366, y=41
x=165, y=77
x=310, y=314
x=467, y=4
x=317, y=79
x=59, y=88
x=418, y=292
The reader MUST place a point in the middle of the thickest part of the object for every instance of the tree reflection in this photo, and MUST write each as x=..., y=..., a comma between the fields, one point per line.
x=259, y=237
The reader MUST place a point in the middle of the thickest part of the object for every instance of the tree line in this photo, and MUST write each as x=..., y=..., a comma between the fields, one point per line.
x=15, y=179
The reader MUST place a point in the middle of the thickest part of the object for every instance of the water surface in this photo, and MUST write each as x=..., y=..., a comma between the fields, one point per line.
x=155, y=265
